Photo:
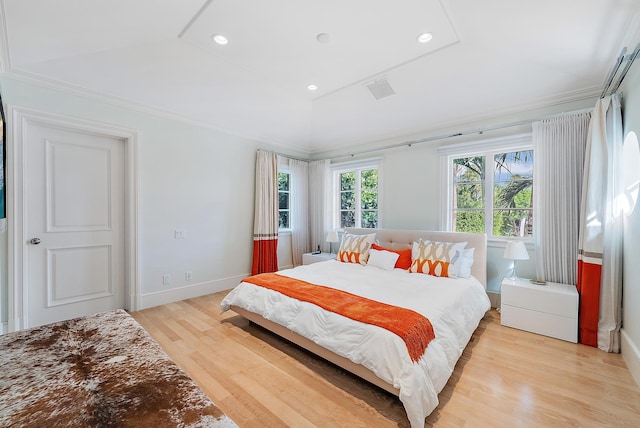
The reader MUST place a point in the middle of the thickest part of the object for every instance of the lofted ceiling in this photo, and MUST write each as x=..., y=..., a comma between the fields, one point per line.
x=485, y=58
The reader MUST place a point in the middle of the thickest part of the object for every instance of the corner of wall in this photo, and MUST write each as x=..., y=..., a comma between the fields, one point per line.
x=631, y=355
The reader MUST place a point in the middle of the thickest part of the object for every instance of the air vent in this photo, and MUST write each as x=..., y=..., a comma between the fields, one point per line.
x=380, y=88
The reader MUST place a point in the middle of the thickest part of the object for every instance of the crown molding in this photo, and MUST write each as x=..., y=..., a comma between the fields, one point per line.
x=90, y=94
x=472, y=121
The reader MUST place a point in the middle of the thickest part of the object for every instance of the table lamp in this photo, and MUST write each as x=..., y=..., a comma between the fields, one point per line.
x=331, y=238
x=515, y=250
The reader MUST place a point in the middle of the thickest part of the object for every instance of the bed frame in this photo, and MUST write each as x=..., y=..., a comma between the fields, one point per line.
x=396, y=239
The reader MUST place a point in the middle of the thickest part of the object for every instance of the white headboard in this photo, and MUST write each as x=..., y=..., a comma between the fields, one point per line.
x=399, y=239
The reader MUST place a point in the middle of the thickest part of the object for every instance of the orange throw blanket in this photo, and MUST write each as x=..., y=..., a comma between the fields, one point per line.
x=415, y=329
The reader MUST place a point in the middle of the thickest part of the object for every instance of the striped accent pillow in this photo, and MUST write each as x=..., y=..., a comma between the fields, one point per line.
x=355, y=248
x=436, y=258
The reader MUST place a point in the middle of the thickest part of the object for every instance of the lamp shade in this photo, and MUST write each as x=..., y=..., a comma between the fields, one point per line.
x=516, y=250
x=332, y=236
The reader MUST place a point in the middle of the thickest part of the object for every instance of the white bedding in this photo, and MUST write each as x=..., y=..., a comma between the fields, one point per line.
x=454, y=307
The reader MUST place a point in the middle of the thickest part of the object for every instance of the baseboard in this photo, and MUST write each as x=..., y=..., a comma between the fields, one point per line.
x=176, y=294
x=4, y=327
x=631, y=355
x=494, y=298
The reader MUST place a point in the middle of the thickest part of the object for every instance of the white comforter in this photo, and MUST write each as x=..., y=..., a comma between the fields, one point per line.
x=454, y=307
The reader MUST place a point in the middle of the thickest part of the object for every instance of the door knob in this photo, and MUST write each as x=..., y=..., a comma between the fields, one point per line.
x=35, y=241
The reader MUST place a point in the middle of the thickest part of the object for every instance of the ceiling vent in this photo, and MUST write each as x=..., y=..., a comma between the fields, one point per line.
x=380, y=88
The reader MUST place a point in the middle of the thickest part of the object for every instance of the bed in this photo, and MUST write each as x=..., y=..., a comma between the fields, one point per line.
x=97, y=371
x=453, y=307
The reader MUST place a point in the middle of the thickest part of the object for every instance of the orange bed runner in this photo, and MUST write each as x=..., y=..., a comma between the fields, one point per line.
x=415, y=329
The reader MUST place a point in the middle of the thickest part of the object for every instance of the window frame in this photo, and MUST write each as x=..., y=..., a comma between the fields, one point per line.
x=488, y=148
x=284, y=170
x=354, y=166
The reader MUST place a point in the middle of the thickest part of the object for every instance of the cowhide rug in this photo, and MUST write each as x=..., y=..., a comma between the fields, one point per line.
x=97, y=371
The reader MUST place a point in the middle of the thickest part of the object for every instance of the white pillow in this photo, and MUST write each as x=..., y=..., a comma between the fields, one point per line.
x=464, y=263
x=382, y=259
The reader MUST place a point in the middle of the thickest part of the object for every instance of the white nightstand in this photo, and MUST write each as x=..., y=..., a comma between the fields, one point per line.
x=309, y=258
x=551, y=309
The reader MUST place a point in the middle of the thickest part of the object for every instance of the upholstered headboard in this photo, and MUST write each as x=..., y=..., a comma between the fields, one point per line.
x=399, y=239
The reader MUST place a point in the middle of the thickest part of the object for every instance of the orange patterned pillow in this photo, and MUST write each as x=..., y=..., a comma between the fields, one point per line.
x=355, y=248
x=404, y=259
x=436, y=258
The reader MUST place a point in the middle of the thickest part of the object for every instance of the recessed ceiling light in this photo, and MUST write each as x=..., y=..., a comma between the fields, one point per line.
x=425, y=37
x=312, y=87
x=220, y=39
x=323, y=38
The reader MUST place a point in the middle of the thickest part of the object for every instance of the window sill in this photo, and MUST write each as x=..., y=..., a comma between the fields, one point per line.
x=493, y=242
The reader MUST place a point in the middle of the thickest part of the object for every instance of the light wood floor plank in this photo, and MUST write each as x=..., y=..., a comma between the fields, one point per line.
x=505, y=377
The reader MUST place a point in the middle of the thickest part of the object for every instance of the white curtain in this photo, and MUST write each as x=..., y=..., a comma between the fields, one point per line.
x=559, y=147
x=601, y=227
x=299, y=209
x=320, y=203
x=265, y=224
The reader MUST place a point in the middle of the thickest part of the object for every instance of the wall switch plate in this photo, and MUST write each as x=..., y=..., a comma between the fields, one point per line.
x=166, y=279
x=180, y=234
x=188, y=275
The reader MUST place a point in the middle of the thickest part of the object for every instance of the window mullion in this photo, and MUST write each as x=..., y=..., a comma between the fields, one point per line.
x=488, y=180
x=358, y=198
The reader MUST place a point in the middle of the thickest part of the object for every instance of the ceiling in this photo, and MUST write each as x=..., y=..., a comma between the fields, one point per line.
x=486, y=58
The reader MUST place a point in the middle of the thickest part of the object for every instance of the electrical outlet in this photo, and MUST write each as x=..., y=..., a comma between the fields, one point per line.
x=188, y=275
x=180, y=234
x=166, y=279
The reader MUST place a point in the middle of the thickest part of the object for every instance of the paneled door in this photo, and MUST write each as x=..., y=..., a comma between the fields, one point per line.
x=74, y=223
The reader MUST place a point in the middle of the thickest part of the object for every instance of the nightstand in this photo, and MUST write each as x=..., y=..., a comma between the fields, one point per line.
x=309, y=258
x=550, y=309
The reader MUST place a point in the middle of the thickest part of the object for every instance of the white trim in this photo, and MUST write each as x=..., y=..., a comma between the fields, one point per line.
x=17, y=119
x=356, y=165
x=631, y=355
x=487, y=145
x=5, y=57
x=510, y=143
x=114, y=100
x=158, y=298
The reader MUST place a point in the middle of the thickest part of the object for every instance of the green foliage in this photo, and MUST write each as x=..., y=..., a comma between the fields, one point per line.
x=283, y=181
x=283, y=199
x=512, y=194
x=368, y=198
x=469, y=221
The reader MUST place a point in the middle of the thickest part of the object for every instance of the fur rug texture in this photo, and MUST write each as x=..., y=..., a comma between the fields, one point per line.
x=97, y=371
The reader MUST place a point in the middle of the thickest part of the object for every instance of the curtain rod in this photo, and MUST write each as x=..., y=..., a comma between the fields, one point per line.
x=610, y=87
x=287, y=156
x=479, y=131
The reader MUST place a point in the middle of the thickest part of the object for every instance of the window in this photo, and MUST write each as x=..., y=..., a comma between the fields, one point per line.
x=491, y=191
x=284, y=200
x=357, y=196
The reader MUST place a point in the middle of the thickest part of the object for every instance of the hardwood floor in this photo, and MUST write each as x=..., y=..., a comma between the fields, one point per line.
x=504, y=378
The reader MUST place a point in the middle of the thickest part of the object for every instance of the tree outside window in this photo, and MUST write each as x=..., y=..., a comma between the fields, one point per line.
x=284, y=200
x=506, y=209
x=358, y=197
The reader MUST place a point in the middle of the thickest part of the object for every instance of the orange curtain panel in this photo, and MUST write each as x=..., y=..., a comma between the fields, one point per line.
x=600, y=234
x=265, y=224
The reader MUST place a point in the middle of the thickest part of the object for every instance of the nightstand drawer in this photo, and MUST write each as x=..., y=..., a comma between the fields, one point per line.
x=540, y=322
x=553, y=298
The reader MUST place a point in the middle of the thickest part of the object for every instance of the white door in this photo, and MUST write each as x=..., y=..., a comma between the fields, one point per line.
x=74, y=223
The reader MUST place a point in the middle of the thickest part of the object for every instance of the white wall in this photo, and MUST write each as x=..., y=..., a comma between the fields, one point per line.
x=202, y=180
x=631, y=271
x=412, y=184
x=189, y=177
